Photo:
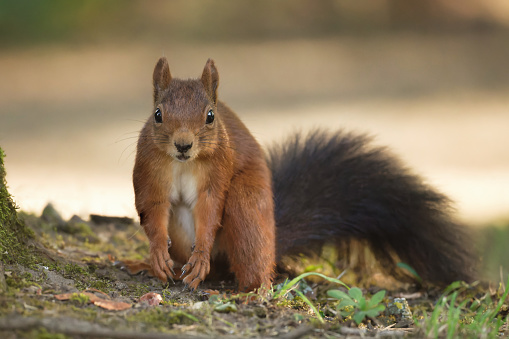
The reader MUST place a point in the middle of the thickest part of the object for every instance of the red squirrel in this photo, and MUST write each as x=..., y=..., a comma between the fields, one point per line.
x=205, y=191
x=202, y=185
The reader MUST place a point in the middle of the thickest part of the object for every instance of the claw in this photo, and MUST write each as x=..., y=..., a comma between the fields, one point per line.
x=184, y=269
x=169, y=242
x=173, y=281
x=172, y=271
x=185, y=287
x=196, y=279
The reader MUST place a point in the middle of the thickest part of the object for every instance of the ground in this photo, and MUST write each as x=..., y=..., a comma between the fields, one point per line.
x=82, y=256
x=71, y=286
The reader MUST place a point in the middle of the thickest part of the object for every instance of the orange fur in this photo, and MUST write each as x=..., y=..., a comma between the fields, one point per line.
x=203, y=186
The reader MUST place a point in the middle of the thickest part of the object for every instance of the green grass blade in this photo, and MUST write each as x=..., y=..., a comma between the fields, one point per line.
x=307, y=301
x=337, y=294
x=410, y=269
x=294, y=281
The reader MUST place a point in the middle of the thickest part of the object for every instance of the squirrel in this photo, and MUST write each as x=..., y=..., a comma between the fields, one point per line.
x=209, y=199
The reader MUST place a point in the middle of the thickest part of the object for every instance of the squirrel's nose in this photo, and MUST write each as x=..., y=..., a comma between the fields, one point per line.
x=183, y=148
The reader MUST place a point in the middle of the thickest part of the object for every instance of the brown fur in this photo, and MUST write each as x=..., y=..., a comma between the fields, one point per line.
x=224, y=184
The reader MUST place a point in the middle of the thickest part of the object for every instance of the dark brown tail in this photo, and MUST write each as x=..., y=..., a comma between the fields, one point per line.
x=332, y=188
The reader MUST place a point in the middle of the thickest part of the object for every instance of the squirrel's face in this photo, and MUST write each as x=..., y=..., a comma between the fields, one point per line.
x=185, y=124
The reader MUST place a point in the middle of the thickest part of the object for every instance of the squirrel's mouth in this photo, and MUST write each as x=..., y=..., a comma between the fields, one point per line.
x=182, y=157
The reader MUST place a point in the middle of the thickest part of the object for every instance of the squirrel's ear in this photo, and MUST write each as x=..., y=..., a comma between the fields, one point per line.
x=162, y=77
x=210, y=80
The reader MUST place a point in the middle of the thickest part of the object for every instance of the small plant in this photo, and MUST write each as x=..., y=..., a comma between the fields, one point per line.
x=477, y=318
x=282, y=290
x=354, y=304
x=222, y=304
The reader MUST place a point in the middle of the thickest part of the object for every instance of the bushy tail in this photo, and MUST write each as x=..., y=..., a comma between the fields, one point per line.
x=332, y=188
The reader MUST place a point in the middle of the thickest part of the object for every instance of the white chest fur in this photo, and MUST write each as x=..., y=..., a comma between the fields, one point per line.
x=183, y=196
x=184, y=186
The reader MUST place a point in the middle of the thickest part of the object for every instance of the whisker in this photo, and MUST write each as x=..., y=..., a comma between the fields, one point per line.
x=124, y=139
x=135, y=120
x=125, y=149
x=218, y=144
x=137, y=231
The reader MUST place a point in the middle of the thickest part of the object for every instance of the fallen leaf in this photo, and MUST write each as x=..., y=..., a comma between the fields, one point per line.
x=65, y=296
x=100, y=302
x=112, y=305
x=152, y=298
x=96, y=290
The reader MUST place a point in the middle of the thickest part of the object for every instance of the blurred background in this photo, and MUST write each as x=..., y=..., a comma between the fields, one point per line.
x=429, y=79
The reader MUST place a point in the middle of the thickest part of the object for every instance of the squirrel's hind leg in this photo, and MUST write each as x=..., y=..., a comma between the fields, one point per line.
x=249, y=230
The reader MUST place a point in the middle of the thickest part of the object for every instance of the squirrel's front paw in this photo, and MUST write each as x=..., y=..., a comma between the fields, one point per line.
x=161, y=263
x=199, y=264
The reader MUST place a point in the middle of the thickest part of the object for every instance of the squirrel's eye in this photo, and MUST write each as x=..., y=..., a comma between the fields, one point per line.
x=210, y=117
x=158, y=116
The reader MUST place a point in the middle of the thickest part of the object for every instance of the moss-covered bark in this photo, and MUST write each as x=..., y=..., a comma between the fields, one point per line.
x=13, y=232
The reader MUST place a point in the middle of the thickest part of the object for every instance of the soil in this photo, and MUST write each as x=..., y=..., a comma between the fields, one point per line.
x=75, y=287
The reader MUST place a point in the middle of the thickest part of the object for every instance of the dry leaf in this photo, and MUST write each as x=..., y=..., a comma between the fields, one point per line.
x=112, y=305
x=106, y=304
x=152, y=298
x=96, y=290
x=65, y=296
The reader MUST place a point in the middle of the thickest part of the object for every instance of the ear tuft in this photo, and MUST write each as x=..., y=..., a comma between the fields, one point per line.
x=210, y=80
x=161, y=77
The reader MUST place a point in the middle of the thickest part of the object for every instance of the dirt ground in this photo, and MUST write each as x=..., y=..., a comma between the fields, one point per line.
x=79, y=290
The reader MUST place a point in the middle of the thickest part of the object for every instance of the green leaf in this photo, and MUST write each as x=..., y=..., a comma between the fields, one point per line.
x=375, y=311
x=318, y=315
x=356, y=293
x=376, y=299
x=312, y=268
x=345, y=314
x=346, y=302
x=410, y=269
x=226, y=308
x=362, y=304
x=359, y=317
x=337, y=294
x=284, y=289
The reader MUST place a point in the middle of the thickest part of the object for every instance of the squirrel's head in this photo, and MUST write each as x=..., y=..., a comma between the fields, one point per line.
x=184, y=123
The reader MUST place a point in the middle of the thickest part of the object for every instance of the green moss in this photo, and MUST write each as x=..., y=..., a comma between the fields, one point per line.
x=73, y=269
x=16, y=281
x=80, y=298
x=14, y=234
x=159, y=318
x=102, y=284
x=137, y=290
